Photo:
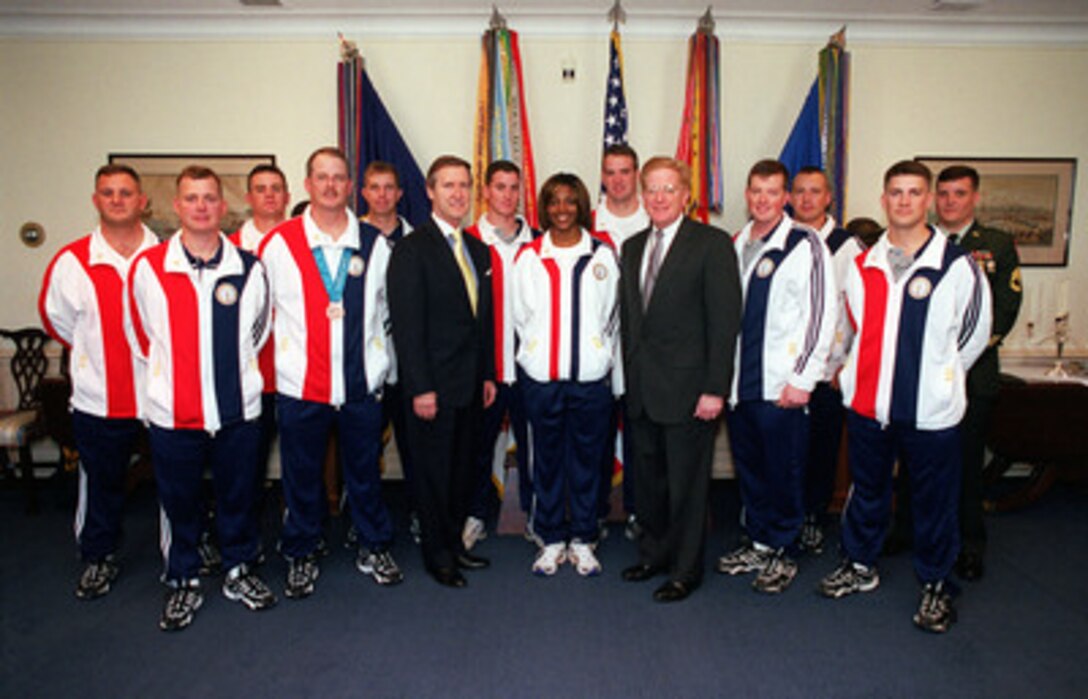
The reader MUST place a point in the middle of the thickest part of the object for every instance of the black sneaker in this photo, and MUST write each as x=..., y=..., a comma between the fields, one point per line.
x=97, y=578
x=182, y=601
x=242, y=585
x=849, y=578
x=380, y=566
x=935, y=611
x=301, y=575
x=777, y=575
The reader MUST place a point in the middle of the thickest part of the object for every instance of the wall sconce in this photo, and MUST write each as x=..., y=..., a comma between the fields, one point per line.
x=32, y=234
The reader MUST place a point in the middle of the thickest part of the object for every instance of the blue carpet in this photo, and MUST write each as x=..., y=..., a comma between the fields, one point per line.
x=1023, y=630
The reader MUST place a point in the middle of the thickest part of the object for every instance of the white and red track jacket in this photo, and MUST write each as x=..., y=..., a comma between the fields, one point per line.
x=82, y=305
x=844, y=247
x=789, y=314
x=502, y=290
x=199, y=332
x=914, y=339
x=249, y=239
x=616, y=230
x=566, y=311
x=322, y=358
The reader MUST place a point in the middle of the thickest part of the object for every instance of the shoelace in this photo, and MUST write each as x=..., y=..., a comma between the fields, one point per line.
x=181, y=604
x=933, y=604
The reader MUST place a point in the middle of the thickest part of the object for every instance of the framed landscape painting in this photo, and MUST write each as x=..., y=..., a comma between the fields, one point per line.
x=1029, y=198
x=159, y=172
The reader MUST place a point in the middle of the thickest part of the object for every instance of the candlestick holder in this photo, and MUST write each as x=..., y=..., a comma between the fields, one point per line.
x=1061, y=336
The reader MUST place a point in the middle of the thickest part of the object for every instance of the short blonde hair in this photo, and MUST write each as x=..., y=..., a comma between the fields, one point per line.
x=661, y=162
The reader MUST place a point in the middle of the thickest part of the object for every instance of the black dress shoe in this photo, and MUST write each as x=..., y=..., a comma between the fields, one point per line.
x=969, y=566
x=673, y=591
x=640, y=572
x=466, y=561
x=450, y=577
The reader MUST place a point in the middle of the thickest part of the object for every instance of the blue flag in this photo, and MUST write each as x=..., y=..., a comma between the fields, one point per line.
x=820, y=134
x=803, y=147
x=380, y=140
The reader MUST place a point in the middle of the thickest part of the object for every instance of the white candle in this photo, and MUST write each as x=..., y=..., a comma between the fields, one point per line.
x=1063, y=298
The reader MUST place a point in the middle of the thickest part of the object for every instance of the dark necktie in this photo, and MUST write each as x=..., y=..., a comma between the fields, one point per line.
x=652, y=267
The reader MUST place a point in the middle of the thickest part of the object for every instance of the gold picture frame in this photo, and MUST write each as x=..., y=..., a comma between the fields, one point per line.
x=1029, y=198
x=158, y=175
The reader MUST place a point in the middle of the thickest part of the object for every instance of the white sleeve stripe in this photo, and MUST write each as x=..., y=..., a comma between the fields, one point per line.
x=973, y=310
x=816, y=302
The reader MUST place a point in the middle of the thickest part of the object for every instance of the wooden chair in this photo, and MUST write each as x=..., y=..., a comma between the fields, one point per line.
x=55, y=393
x=23, y=425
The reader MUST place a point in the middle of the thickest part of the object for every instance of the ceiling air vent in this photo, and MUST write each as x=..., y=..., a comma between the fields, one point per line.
x=956, y=5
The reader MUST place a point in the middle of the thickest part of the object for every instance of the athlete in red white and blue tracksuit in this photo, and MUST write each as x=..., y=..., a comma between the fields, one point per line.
x=787, y=327
x=825, y=409
x=619, y=455
x=508, y=402
x=903, y=385
x=82, y=305
x=199, y=326
x=567, y=322
x=332, y=359
x=248, y=238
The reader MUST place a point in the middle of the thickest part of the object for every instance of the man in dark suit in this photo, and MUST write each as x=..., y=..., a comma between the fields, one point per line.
x=440, y=307
x=681, y=304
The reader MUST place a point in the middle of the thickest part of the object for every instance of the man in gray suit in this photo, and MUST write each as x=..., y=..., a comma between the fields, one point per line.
x=681, y=302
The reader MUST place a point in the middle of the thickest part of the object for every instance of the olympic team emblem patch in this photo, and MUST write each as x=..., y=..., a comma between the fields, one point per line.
x=600, y=272
x=920, y=288
x=765, y=268
x=355, y=267
x=226, y=294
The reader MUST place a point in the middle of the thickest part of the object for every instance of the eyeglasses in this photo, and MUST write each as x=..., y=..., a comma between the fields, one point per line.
x=662, y=189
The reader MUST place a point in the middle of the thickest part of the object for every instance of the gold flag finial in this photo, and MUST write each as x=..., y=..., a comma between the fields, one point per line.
x=348, y=50
x=706, y=22
x=838, y=39
x=617, y=15
x=497, y=20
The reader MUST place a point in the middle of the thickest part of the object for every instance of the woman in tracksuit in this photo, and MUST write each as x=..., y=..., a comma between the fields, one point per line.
x=567, y=323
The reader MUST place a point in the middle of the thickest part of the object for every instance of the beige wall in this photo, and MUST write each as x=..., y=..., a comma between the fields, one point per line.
x=65, y=106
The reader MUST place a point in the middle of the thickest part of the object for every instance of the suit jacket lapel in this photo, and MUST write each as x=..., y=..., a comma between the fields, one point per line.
x=447, y=263
x=671, y=266
x=633, y=264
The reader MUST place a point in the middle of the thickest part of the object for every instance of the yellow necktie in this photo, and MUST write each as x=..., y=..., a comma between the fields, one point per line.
x=466, y=271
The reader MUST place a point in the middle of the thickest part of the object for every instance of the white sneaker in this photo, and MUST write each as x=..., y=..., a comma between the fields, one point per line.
x=473, y=532
x=549, y=558
x=583, y=559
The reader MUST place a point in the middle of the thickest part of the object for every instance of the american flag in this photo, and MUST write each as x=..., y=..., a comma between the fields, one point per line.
x=615, y=103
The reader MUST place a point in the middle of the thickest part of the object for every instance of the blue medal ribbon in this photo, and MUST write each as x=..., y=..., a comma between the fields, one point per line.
x=334, y=287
